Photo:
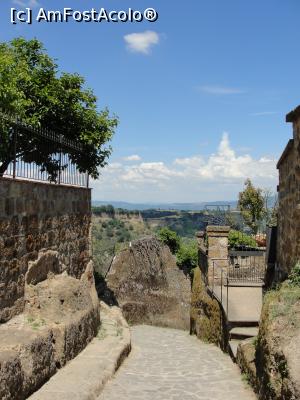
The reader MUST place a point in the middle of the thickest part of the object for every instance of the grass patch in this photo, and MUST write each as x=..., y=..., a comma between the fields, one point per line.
x=246, y=378
x=102, y=333
x=35, y=323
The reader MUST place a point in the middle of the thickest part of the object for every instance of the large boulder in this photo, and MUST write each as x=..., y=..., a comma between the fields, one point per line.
x=149, y=287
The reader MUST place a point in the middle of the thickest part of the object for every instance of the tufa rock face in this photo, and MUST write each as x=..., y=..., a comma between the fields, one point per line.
x=61, y=317
x=272, y=362
x=278, y=346
x=207, y=319
x=148, y=285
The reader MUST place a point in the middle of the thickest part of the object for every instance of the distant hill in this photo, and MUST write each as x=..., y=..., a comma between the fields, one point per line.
x=164, y=206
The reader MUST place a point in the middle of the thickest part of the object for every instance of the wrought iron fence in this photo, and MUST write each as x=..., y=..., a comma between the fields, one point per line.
x=46, y=156
x=246, y=266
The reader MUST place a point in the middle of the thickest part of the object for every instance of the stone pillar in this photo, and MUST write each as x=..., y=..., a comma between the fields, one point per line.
x=217, y=249
x=200, y=235
x=202, y=254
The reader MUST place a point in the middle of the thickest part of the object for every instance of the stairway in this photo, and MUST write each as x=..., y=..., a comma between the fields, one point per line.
x=242, y=304
x=240, y=331
x=245, y=303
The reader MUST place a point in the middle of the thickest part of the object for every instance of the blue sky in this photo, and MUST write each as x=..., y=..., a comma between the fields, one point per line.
x=201, y=93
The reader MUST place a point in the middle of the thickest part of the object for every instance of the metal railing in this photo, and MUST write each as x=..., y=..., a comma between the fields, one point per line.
x=246, y=266
x=218, y=283
x=223, y=276
x=42, y=155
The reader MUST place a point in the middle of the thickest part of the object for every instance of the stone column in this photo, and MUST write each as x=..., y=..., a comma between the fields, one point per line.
x=217, y=251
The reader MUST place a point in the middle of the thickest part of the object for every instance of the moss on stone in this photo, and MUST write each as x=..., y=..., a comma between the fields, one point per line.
x=207, y=319
x=277, y=355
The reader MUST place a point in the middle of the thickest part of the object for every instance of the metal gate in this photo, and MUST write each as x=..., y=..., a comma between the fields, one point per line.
x=246, y=266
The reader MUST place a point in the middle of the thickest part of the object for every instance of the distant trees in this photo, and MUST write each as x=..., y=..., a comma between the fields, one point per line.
x=111, y=211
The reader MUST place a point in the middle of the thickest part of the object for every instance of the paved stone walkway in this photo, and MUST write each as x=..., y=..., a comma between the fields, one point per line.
x=167, y=364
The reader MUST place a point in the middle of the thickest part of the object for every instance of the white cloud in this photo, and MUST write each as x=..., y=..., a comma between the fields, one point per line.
x=141, y=42
x=134, y=157
x=219, y=90
x=26, y=3
x=219, y=176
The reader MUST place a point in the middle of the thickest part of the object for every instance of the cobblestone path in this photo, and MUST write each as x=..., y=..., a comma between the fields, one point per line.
x=167, y=364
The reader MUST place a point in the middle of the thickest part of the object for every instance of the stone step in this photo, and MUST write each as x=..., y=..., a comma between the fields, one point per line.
x=84, y=377
x=242, y=333
x=241, y=323
x=245, y=284
x=232, y=348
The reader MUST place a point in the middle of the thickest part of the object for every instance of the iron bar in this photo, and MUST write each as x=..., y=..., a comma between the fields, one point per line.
x=15, y=151
x=227, y=288
x=222, y=285
x=60, y=151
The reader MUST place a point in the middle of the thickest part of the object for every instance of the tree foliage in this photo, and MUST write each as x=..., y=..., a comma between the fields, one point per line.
x=32, y=89
x=186, y=251
x=170, y=238
x=236, y=239
x=187, y=255
x=252, y=205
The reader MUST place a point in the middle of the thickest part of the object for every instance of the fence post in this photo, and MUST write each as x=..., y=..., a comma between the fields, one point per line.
x=213, y=282
x=227, y=299
x=60, y=150
x=222, y=286
x=87, y=180
x=14, y=136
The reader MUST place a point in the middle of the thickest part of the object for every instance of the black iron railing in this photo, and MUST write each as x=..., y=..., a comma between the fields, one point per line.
x=246, y=266
x=45, y=156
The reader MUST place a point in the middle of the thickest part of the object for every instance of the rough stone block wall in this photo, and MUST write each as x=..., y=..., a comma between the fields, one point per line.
x=288, y=239
x=35, y=217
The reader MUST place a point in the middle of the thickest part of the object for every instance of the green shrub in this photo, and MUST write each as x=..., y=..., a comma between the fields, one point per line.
x=187, y=255
x=294, y=277
x=170, y=238
x=237, y=238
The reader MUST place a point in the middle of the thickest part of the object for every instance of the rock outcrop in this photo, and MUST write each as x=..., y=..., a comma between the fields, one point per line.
x=148, y=285
x=207, y=318
x=61, y=317
x=272, y=362
x=85, y=376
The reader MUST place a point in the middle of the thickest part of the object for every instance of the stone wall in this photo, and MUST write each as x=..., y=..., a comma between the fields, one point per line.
x=35, y=217
x=288, y=242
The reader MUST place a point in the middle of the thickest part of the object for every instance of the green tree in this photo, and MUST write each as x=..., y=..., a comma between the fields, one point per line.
x=170, y=238
x=32, y=89
x=187, y=255
x=252, y=205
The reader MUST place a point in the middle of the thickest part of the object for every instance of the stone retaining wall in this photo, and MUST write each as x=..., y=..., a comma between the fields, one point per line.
x=288, y=242
x=34, y=218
